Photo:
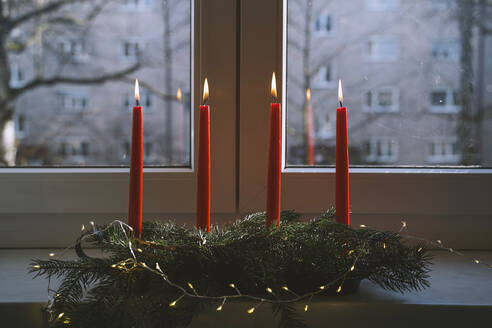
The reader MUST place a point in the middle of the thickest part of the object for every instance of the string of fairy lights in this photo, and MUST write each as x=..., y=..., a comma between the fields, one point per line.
x=132, y=263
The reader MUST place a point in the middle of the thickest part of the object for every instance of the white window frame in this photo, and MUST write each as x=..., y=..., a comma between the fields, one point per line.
x=449, y=157
x=428, y=198
x=15, y=68
x=382, y=5
x=129, y=101
x=384, y=143
x=449, y=108
x=375, y=107
x=452, y=46
x=68, y=95
x=321, y=83
x=50, y=204
x=375, y=55
x=324, y=32
x=20, y=133
x=80, y=55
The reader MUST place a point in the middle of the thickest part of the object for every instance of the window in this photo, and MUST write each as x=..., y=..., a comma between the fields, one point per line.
x=444, y=101
x=73, y=50
x=324, y=77
x=17, y=78
x=131, y=50
x=132, y=5
x=382, y=150
x=382, y=100
x=20, y=125
x=382, y=5
x=446, y=50
x=148, y=151
x=444, y=151
x=382, y=48
x=146, y=100
x=323, y=25
x=73, y=101
x=73, y=147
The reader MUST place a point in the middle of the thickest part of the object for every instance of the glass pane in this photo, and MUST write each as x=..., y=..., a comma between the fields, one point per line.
x=417, y=81
x=71, y=67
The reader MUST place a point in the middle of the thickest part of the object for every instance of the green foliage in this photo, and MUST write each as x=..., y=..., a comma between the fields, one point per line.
x=300, y=255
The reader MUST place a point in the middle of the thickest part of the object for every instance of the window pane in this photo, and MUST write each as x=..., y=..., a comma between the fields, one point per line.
x=72, y=70
x=417, y=81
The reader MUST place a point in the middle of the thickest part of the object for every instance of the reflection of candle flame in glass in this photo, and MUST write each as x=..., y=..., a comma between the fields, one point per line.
x=179, y=95
x=308, y=94
x=340, y=92
x=274, y=86
x=205, y=91
x=137, y=91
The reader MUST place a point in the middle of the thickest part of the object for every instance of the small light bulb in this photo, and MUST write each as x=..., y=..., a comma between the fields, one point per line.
x=114, y=265
x=350, y=252
x=61, y=315
x=251, y=310
x=37, y=266
x=419, y=250
x=268, y=289
x=190, y=285
x=66, y=321
x=219, y=308
x=439, y=241
x=363, y=226
x=158, y=267
x=322, y=287
x=51, y=254
x=144, y=264
x=306, y=307
x=339, y=289
x=476, y=261
x=384, y=245
x=403, y=224
x=139, y=250
x=173, y=303
x=352, y=268
x=83, y=228
x=285, y=288
x=232, y=285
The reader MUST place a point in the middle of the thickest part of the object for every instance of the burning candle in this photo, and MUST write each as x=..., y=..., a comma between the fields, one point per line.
x=308, y=121
x=274, y=160
x=203, y=176
x=342, y=163
x=136, y=168
x=181, y=128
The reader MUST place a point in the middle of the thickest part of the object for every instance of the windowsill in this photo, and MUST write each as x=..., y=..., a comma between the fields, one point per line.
x=456, y=284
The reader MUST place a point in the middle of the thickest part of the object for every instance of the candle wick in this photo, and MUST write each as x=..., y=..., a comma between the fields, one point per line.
x=275, y=99
x=341, y=105
x=137, y=102
x=205, y=102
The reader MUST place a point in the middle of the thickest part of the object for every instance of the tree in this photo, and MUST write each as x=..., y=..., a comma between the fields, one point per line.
x=35, y=18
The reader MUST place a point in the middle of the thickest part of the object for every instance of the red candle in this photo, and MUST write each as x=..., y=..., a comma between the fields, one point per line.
x=136, y=168
x=203, y=178
x=274, y=161
x=181, y=128
x=342, y=169
x=309, y=129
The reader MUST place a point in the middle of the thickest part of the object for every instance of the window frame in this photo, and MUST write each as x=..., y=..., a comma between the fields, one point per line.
x=428, y=197
x=68, y=197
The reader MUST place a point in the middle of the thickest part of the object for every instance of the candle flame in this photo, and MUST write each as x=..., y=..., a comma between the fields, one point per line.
x=137, y=91
x=205, y=91
x=340, y=92
x=179, y=95
x=308, y=94
x=274, y=86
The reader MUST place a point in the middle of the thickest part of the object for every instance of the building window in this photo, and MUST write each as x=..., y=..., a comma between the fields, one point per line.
x=135, y=4
x=444, y=151
x=73, y=146
x=148, y=150
x=17, y=76
x=383, y=150
x=146, y=100
x=381, y=100
x=446, y=50
x=444, y=101
x=72, y=49
x=382, y=5
x=382, y=48
x=323, y=24
x=72, y=102
x=20, y=125
x=131, y=49
x=324, y=77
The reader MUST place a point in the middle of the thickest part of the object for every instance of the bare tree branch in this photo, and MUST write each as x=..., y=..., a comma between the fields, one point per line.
x=42, y=82
x=50, y=7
